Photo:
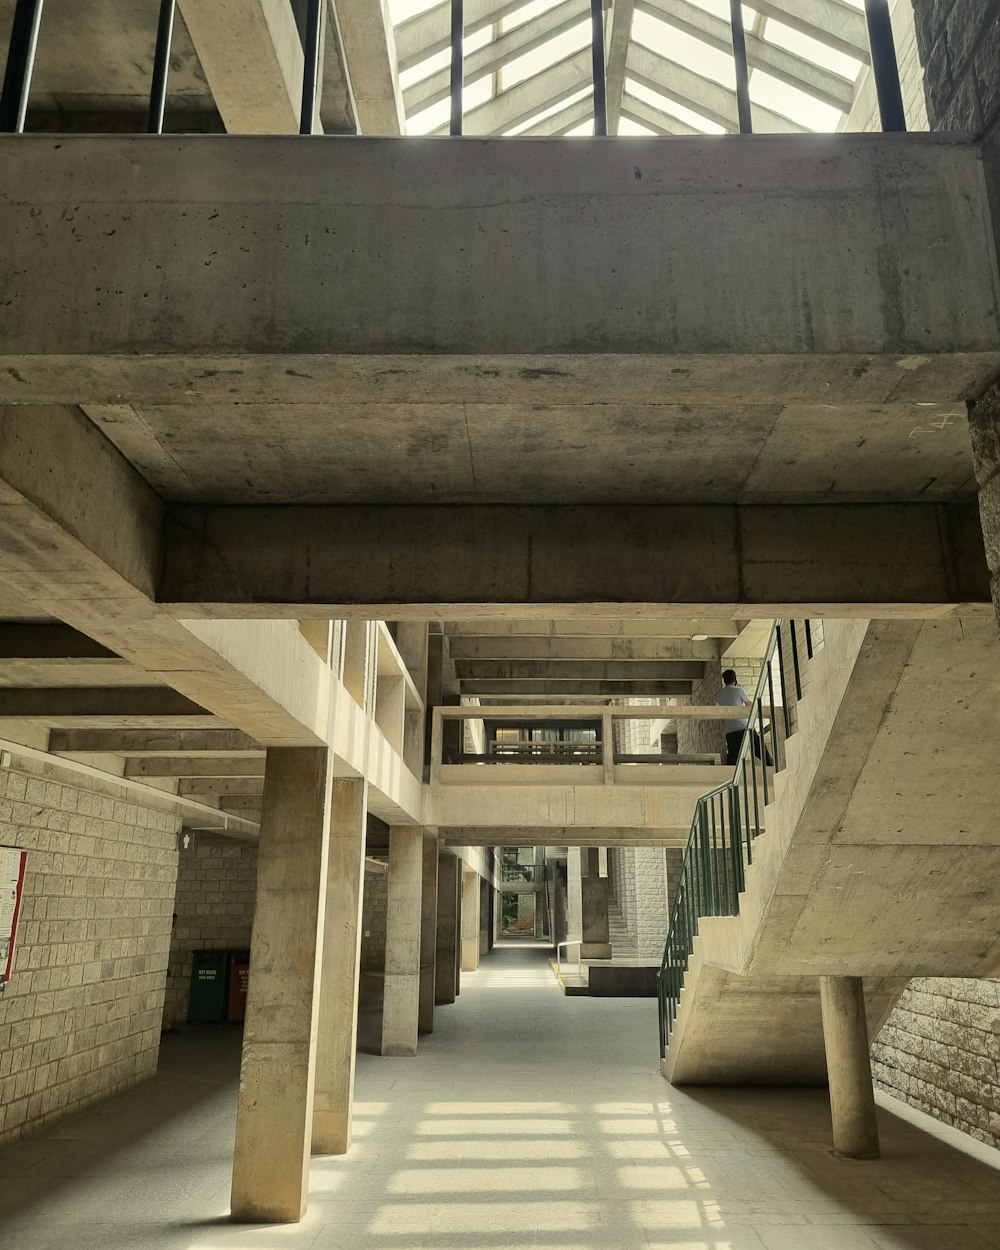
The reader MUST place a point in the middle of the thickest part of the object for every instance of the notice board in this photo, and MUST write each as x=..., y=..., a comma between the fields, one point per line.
x=12, y=862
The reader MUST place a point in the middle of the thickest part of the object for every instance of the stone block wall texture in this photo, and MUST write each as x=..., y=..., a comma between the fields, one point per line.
x=638, y=885
x=695, y=737
x=959, y=46
x=80, y=1018
x=939, y=1051
x=214, y=905
x=373, y=917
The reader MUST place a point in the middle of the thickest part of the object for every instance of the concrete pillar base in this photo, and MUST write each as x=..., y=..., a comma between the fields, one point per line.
x=852, y=1097
x=595, y=950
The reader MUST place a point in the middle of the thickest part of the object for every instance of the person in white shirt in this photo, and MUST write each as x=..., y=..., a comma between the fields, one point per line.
x=733, y=695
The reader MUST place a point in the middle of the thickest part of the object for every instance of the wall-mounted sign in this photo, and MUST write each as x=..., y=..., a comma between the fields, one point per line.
x=12, y=862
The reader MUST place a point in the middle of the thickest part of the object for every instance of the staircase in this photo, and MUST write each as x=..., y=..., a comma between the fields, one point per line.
x=873, y=853
x=623, y=944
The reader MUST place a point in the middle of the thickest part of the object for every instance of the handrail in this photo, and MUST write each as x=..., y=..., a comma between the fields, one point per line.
x=727, y=819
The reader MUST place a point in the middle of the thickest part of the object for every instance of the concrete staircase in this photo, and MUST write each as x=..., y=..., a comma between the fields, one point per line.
x=622, y=942
x=880, y=857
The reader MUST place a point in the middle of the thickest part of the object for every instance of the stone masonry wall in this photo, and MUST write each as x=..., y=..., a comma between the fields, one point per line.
x=959, y=46
x=939, y=1051
x=638, y=884
x=696, y=737
x=650, y=902
x=81, y=1015
x=214, y=906
x=373, y=918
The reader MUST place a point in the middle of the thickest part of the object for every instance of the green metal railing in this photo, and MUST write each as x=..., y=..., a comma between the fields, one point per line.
x=728, y=818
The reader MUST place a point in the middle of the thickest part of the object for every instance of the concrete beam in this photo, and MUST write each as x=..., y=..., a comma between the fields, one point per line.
x=196, y=766
x=592, y=689
x=370, y=55
x=49, y=641
x=841, y=560
x=702, y=217
x=151, y=742
x=560, y=670
x=570, y=835
x=618, y=37
x=530, y=96
x=837, y=25
x=429, y=32
x=221, y=787
x=558, y=648
x=623, y=632
x=80, y=537
x=252, y=57
x=135, y=703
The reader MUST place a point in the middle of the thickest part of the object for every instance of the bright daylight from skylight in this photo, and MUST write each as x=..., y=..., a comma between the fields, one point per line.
x=528, y=71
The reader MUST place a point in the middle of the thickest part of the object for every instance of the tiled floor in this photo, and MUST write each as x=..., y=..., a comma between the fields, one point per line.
x=529, y=1120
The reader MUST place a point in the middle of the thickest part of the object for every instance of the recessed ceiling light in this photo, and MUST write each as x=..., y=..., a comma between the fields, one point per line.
x=699, y=637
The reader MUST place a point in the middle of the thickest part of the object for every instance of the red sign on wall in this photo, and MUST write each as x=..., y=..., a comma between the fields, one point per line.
x=12, y=864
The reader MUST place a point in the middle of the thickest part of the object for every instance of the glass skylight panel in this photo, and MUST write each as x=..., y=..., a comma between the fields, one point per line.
x=549, y=111
x=401, y=10
x=796, y=105
x=684, y=49
x=812, y=49
x=532, y=10
x=542, y=58
x=627, y=126
x=672, y=109
x=430, y=119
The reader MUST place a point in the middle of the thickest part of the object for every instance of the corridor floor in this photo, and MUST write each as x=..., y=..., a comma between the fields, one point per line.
x=528, y=1120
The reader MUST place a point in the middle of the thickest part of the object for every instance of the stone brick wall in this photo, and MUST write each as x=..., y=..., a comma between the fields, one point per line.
x=373, y=917
x=214, y=906
x=638, y=884
x=959, y=45
x=80, y=1018
x=939, y=1051
x=698, y=736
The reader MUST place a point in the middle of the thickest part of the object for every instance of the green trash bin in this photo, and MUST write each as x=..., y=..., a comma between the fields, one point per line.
x=207, y=1000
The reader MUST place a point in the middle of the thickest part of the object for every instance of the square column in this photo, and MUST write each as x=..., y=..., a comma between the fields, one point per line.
x=470, y=920
x=402, y=941
x=595, y=924
x=338, y=1000
x=447, y=944
x=428, y=934
x=274, y=1115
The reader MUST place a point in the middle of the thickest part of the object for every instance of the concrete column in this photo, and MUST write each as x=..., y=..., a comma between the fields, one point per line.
x=595, y=926
x=402, y=941
x=457, y=969
x=274, y=1114
x=574, y=895
x=428, y=934
x=447, y=939
x=470, y=920
x=852, y=1098
x=984, y=426
x=338, y=1002
x=484, y=917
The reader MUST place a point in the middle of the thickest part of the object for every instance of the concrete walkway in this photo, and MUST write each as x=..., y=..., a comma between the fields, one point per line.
x=528, y=1120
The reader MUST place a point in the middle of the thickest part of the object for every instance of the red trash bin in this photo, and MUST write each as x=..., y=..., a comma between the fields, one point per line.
x=239, y=976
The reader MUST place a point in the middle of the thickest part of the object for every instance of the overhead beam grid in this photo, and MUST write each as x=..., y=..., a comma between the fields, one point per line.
x=669, y=67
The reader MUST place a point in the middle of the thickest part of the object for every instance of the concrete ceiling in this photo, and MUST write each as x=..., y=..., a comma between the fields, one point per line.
x=540, y=453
